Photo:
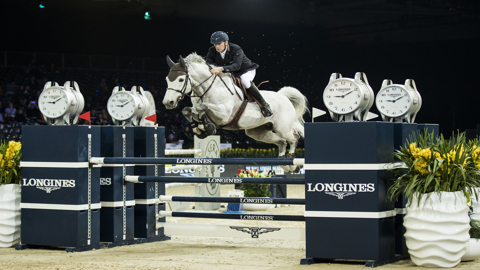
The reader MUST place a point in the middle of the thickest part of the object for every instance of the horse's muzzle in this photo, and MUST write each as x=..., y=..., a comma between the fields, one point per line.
x=170, y=104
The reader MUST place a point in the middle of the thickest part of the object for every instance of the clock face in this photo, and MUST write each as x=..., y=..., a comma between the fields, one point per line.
x=393, y=101
x=342, y=96
x=121, y=106
x=53, y=102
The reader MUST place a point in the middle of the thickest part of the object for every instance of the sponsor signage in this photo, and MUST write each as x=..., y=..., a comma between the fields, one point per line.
x=105, y=181
x=341, y=190
x=248, y=217
x=252, y=200
x=226, y=180
x=194, y=161
x=48, y=185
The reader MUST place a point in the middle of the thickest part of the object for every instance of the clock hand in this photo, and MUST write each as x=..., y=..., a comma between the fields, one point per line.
x=342, y=96
x=401, y=97
x=348, y=93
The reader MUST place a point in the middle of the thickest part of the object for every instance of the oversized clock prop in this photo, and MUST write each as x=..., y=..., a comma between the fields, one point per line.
x=151, y=109
x=348, y=99
x=61, y=105
x=127, y=108
x=398, y=103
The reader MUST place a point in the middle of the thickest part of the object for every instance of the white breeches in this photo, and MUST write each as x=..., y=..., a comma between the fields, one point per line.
x=248, y=77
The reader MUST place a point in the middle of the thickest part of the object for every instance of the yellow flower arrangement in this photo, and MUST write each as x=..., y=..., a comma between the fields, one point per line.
x=254, y=190
x=436, y=164
x=10, y=156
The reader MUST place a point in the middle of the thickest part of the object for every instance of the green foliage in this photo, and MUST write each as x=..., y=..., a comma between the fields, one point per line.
x=435, y=165
x=254, y=190
x=474, y=229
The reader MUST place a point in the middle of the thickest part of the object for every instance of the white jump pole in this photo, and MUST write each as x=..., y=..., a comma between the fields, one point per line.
x=237, y=231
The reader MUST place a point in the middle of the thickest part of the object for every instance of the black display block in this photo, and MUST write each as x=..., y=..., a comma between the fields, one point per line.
x=347, y=214
x=57, y=197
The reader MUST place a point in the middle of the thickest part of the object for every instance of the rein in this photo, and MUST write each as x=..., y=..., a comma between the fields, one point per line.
x=194, y=88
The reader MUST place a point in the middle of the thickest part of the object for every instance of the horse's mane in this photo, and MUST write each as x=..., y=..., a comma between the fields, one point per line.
x=194, y=58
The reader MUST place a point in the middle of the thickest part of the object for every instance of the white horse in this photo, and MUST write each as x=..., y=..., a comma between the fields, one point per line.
x=192, y=77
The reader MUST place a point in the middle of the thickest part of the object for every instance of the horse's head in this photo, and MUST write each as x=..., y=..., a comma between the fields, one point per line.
x=177, y=83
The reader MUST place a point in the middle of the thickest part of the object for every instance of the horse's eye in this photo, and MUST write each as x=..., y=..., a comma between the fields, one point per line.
x=181, y=80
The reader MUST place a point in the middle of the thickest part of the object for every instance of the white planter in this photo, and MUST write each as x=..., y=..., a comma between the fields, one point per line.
x=437, y=229
x=9, y=215
x=256, y=206
x=473, y=250
x=476, y=206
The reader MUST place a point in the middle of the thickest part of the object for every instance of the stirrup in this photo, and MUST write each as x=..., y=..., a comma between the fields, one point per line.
x=266, y=111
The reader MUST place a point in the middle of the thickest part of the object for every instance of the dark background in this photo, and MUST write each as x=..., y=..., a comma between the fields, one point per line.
x=296, y=43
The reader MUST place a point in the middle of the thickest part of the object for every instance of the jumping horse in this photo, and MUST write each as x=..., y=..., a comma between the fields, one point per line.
x=214, y=97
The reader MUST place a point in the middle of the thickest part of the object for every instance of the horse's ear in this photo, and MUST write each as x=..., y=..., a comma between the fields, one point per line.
x=182, y=62
x=170, y=62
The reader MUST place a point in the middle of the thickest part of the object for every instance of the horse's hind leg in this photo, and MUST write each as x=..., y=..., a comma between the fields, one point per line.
x=265, y=135
x=292, y=139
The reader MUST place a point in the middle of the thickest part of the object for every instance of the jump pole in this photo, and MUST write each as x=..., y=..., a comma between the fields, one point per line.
x=217, y=180
x=236, y=231
x=231, y=200
x=199, y=161
x=232, y=216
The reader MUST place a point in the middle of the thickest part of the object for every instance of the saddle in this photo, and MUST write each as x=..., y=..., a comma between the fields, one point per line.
x=238, y=82
x=248, y=98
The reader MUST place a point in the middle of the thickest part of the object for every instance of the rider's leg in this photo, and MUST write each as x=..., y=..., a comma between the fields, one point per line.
x=247, y=80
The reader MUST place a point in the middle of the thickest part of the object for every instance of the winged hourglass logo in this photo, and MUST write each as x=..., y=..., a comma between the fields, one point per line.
x=254, y=231
x=340, y=195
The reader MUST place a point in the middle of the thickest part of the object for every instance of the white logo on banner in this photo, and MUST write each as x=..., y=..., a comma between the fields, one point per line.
x=48, y=185
x=341, y=190
x=48, y=189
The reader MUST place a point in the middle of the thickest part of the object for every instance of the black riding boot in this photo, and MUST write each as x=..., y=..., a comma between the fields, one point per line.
x=265, y=108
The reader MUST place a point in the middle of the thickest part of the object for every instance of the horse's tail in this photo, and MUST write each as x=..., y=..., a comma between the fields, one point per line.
x=300, y=104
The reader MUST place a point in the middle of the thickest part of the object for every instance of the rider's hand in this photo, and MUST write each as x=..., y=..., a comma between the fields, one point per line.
x=216, y=70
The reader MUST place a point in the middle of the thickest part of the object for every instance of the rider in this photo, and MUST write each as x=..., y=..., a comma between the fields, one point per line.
x=229, y=57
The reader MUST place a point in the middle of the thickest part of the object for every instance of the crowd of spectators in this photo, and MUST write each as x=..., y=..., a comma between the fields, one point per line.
x=21, y=87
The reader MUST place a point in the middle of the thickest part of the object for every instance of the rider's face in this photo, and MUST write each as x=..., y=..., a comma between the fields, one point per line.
x=220, y=47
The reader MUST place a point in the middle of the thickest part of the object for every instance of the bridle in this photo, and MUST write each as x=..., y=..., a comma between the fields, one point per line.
x=194, y=88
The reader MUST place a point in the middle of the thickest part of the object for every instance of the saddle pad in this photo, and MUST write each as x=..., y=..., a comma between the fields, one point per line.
x=240, y=92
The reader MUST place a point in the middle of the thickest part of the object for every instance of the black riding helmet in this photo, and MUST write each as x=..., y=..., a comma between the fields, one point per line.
x=218, y=37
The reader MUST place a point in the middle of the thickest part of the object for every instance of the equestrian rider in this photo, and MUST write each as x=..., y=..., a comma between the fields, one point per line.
x=229, y=57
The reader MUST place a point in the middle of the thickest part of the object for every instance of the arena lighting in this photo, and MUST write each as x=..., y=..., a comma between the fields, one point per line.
x=41, y=4
x=148, y=14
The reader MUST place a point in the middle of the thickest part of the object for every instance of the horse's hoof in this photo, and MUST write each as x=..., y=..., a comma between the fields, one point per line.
x=297, y=169
x=290, y=155
x=210, y=129
x=202, y=135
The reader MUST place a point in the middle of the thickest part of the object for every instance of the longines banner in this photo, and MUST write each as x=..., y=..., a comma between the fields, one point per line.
x=232, y=171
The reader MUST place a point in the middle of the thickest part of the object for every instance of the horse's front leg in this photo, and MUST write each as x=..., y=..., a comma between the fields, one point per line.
x=189, y=113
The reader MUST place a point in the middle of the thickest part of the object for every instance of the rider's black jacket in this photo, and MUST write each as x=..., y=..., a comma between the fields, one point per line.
x=235, y=60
